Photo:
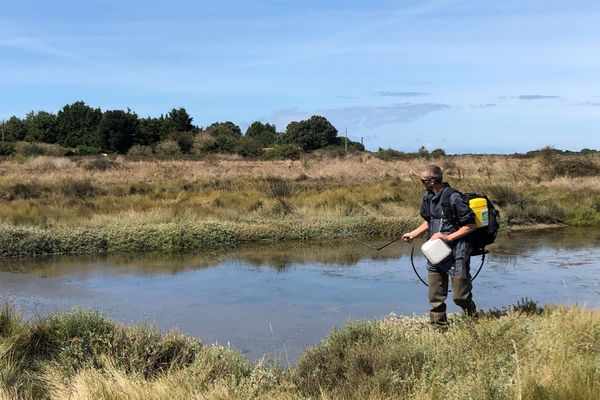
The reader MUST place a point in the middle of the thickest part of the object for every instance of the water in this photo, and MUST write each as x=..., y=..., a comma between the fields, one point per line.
x=276, y=300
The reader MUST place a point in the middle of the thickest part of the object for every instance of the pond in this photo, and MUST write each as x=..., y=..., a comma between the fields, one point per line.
x=276, y=300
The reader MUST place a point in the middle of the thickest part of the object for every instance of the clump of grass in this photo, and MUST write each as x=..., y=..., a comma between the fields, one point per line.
x=80, y=189
x=25, y=191
x=358, y=360
x=80, y=339
x=278, y=188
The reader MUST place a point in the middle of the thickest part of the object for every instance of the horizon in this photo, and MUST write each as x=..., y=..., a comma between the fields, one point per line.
x=462, y=76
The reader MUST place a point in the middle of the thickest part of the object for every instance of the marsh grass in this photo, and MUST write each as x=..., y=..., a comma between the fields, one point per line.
x=523, y=351
x=59, y=194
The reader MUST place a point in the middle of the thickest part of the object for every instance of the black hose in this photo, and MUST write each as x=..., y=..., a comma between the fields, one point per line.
x=412, y=254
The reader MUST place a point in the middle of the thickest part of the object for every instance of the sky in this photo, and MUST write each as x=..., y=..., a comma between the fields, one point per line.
x=465, y=76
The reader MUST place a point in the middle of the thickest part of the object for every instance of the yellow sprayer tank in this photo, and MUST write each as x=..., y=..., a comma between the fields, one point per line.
x=479, y=207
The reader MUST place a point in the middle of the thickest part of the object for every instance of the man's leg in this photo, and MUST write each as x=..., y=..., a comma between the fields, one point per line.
x=438, y=291
x=462, y=286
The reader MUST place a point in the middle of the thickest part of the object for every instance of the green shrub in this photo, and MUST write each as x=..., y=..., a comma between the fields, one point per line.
x=29, y=149
x=84, y=150
x=7, y=148
x=583, y=216
x=249, y=147
x=391, y=155
x=138, y=150
x=185, y=140
x=168, y=148
x=283, y=152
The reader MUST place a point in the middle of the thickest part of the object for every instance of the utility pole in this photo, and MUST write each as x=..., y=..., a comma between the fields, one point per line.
x=346, y=146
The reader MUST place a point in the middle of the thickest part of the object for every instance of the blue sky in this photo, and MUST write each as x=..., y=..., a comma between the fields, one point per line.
x=466, y=76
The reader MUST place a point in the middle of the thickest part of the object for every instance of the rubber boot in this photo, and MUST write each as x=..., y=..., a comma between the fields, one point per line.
x=462, y=295
x=438, y=291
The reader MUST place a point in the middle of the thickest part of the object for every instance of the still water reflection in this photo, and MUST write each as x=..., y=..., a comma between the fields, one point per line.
x=275, y=300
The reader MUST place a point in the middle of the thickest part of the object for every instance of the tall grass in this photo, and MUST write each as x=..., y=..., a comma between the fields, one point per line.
x=523, y=352
x=46, y=198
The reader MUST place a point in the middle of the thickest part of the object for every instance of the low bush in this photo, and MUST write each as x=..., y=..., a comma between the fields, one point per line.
x=283, y=152
x=394, y=155
x=84, y=150
x=167, y=148
x=140, y=151
x=7, y=148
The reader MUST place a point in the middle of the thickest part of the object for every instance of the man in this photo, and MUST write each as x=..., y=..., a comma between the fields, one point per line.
x=452, y=230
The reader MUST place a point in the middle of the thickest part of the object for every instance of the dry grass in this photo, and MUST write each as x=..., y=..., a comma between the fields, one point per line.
x=54, y=193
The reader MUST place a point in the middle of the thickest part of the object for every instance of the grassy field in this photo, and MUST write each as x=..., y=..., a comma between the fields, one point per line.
x=90, y=205
x=520, y=353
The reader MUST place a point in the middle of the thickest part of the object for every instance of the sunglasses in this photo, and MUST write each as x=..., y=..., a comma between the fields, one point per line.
x=424, y=181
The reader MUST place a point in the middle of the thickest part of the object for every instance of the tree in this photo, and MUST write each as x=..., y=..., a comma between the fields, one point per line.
x=249, y=147
x=185, y=141
x=178, y=120
x=311, y=134
x=151, y=130
x=437, y=153
x=221, y=144
x=77, y=124
x=265, y=134
x=227, y=128
x=14, y=129
x=117, y=130
x=41, y=127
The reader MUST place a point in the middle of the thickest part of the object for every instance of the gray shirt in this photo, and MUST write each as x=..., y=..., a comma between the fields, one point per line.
x=432, y=212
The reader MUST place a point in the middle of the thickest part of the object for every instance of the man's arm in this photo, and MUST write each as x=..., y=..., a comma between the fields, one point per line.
x=408, y=237
x=462, y=231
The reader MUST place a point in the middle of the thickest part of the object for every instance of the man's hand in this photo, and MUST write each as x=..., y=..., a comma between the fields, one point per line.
x=440, y=235
x=407, y=237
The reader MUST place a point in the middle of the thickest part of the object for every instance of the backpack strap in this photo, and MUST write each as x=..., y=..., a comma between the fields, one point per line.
x=447, y=208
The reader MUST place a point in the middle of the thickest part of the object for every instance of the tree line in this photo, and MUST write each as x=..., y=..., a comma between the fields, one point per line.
x=87, y=130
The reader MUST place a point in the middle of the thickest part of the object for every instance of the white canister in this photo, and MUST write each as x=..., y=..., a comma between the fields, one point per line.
x=435, y=250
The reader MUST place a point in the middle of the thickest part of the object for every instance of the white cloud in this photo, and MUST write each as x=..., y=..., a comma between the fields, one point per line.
x=360, y=116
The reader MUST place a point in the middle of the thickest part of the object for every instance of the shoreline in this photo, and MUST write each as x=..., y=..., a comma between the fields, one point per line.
x=180, y=236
